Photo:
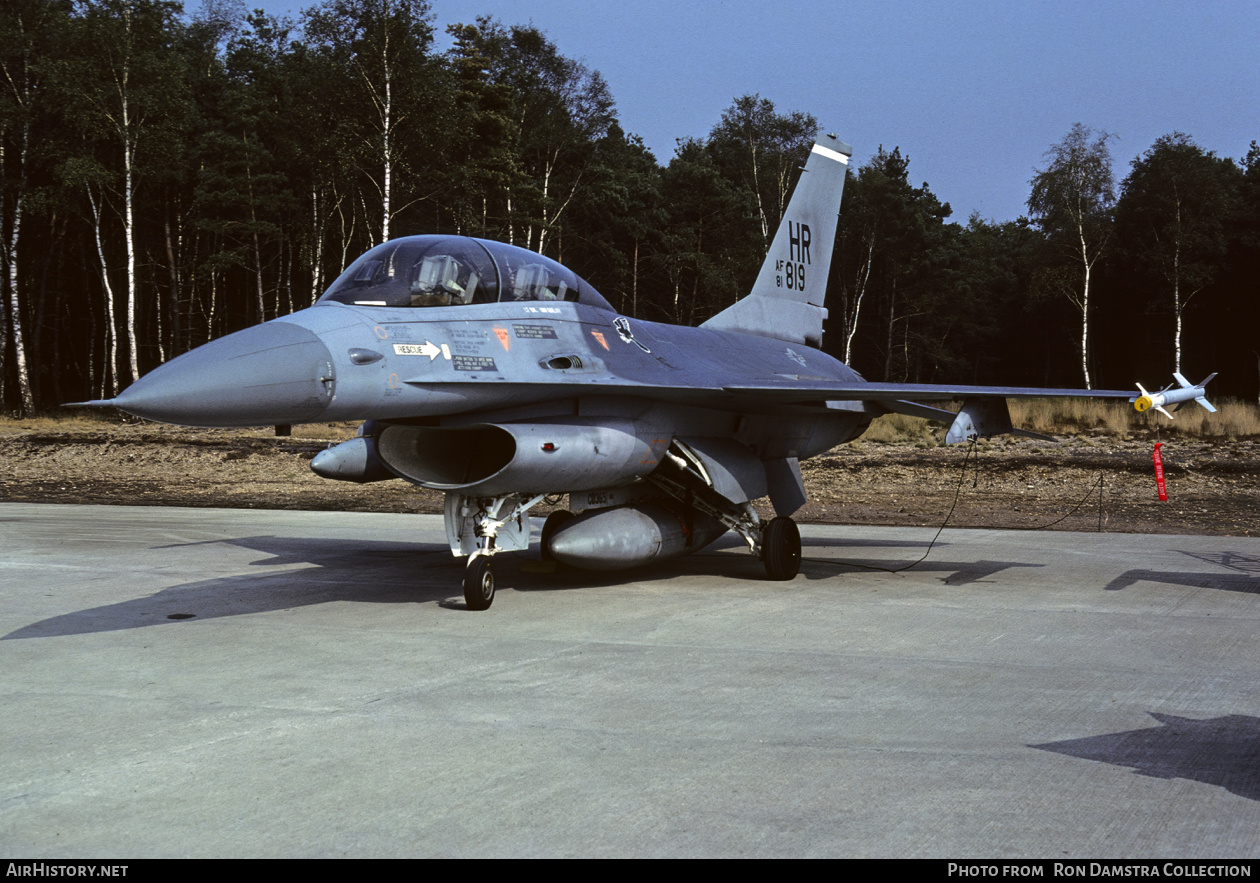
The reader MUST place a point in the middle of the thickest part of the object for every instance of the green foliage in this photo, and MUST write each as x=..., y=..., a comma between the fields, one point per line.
x=616, y=222
x=1076, y=190
x=1072, y=201
x=893, y=253
x=1173, y=217
x=534, y=118
x=762, y=150
x=723, y=197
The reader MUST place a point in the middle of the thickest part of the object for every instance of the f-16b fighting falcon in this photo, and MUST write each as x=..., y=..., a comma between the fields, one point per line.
x=501, y=378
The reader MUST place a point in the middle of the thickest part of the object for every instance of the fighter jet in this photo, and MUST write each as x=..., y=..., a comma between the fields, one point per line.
x=502, y=378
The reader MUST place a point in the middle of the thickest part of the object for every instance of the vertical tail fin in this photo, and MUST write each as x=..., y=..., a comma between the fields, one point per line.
x=786, y=302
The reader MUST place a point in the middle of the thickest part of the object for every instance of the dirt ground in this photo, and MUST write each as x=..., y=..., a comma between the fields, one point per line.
x=1213, y=485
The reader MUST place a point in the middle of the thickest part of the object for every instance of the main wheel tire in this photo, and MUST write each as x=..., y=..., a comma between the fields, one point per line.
x=554, y=522
x=781, y=549
x=479, y=584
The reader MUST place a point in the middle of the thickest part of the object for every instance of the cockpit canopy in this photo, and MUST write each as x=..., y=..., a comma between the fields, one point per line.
x=443, y=271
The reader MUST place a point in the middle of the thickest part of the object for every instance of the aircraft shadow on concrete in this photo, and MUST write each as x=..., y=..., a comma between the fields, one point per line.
x=1222, y=751
x=344, y=570
x=393, y=572
x=840, y=542
x=1244, y=578
x=728, y=559
x=733, y=541
x=960, y=573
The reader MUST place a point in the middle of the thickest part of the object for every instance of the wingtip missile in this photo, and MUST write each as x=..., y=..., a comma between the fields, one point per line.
x=1169, y=395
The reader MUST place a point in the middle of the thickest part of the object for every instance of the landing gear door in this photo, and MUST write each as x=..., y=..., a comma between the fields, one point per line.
x=731, y=469
x=464, y=515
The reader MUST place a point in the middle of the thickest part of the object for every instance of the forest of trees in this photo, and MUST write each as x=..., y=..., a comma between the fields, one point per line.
x=168, y=179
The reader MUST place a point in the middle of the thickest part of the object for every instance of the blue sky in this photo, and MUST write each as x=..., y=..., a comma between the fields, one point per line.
x=974, y=92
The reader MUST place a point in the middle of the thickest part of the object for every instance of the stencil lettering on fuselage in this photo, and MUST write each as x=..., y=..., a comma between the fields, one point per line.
x=473, y=363
x=534, y=332
x=428, y=348
x=468, y=341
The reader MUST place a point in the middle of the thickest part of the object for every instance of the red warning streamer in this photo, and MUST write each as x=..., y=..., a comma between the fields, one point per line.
x=1159, y=473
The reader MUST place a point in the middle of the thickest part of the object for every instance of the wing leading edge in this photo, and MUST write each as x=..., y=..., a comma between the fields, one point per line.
x=803, y=391
x=984, y=411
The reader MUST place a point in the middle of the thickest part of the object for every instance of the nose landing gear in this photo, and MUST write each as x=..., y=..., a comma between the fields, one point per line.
x=479, y=583
x=481, y=527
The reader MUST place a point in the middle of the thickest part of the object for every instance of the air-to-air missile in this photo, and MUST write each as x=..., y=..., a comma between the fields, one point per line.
x=1169, y=396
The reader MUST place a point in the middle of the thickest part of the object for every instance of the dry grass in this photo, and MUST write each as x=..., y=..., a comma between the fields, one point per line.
x=1060, y=417
x=82, y=420
x=1233, y=418
x=898, y=428
x=68, y=420
x=1070, y=416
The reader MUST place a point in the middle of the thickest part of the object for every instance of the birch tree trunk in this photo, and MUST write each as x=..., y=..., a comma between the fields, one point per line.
x=386, y=133
x=15, y=291
x=1088, y=265
x=1072, y=200
x=851, y=319
x=4, y=316
x=125, y=129
x=109, y=378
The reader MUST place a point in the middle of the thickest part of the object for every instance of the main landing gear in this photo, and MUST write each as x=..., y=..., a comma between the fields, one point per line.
x=781, y=548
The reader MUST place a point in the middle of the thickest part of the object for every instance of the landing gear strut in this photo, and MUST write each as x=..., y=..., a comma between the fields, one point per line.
x=777, y=542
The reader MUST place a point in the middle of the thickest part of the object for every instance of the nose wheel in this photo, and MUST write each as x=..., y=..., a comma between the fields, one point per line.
x=479, y=583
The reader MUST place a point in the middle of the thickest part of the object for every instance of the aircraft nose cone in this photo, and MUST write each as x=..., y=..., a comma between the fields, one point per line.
x=278, y=372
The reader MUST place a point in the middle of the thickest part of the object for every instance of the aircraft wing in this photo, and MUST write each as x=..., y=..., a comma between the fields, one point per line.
x=899, y=397
x=822, y=390
x=984, y=411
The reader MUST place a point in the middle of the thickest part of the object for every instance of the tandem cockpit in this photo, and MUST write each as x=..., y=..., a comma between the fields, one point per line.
x=445, y=271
